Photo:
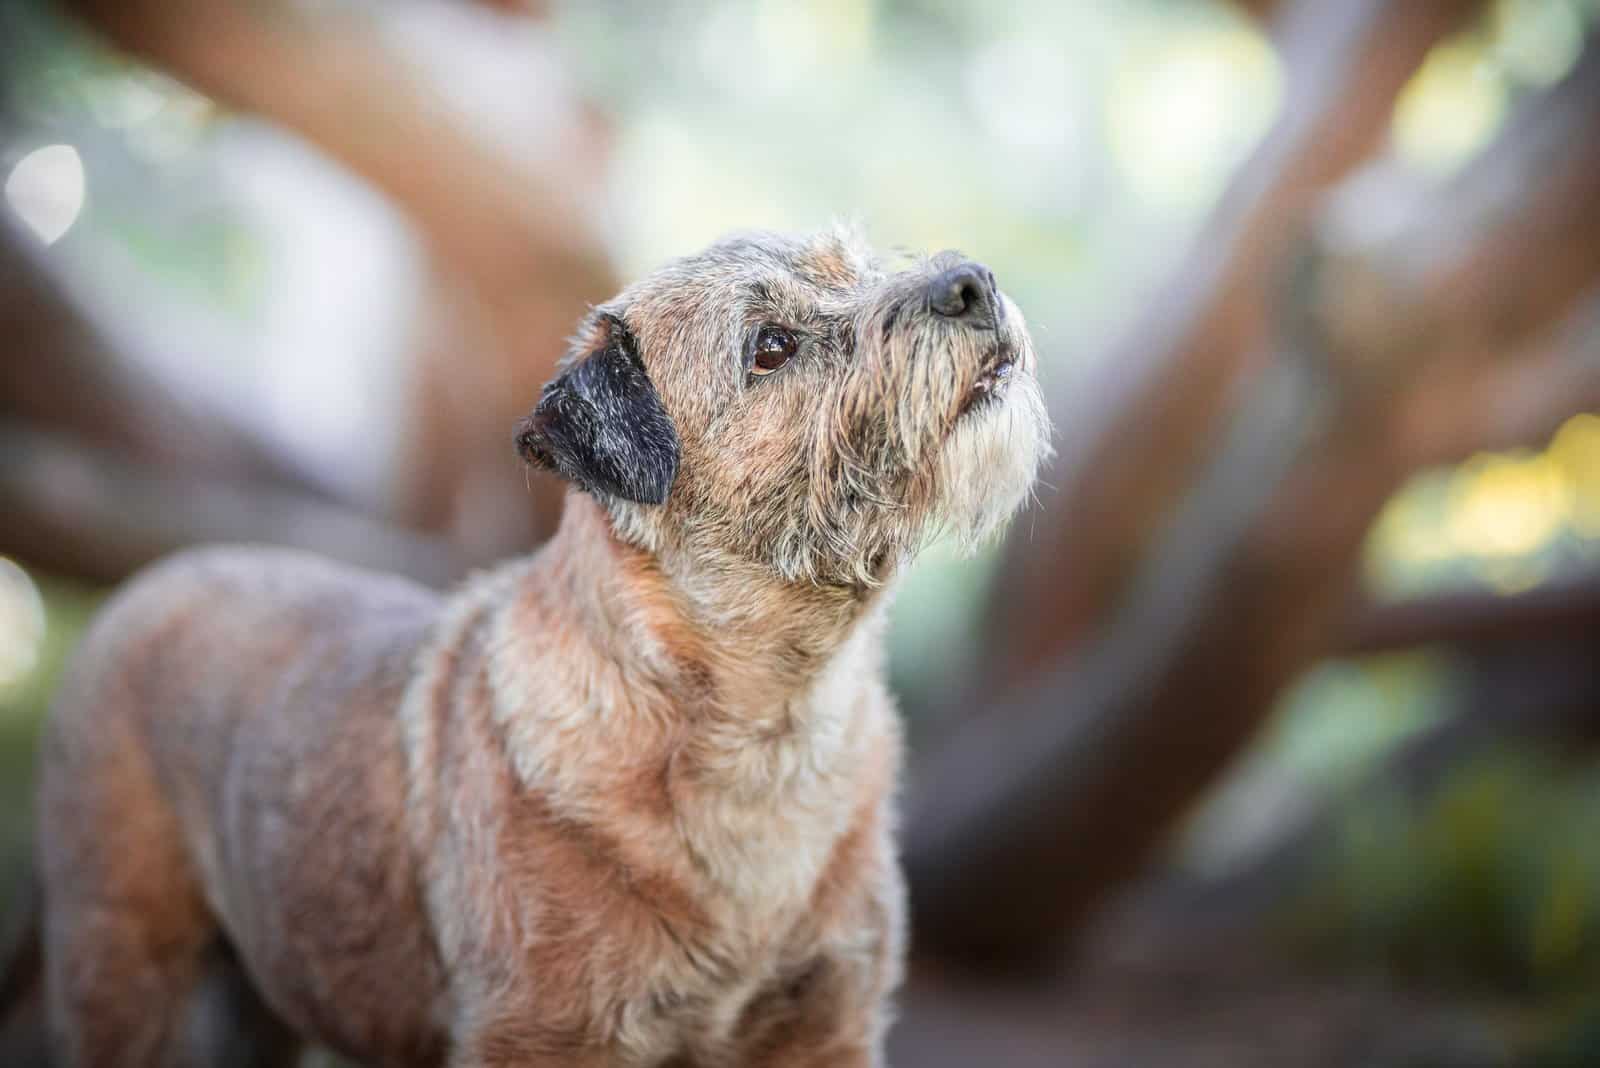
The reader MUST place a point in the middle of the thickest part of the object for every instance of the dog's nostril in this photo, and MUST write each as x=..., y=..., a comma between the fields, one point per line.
x=961, y=291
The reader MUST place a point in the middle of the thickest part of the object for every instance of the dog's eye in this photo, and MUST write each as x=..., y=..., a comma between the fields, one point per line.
x=774, y=347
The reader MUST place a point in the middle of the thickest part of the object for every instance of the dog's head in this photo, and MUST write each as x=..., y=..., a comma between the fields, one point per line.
x=789, y=401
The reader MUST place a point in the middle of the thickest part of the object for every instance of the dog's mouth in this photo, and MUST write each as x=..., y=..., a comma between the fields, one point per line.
x=992, y=380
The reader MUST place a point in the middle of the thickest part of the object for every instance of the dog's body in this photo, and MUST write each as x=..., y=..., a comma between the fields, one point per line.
x=624, y=802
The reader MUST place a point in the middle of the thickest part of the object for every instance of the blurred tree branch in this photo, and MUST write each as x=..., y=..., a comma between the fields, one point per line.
x=1128, y=456
x=1222, y=581
x=90, y=512
x=1257, y=9
x=1566, y=607
x=64, y=372
x=324, y=75
x=518, y=249
x=128, y=471
x=515, y=257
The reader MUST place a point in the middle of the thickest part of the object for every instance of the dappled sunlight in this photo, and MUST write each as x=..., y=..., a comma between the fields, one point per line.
x=1503, y=520
x=1508, y=505
x=1184, y=108
x=1451, y=108
x=1461, y=95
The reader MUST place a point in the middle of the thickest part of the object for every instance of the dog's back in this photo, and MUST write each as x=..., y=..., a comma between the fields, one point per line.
x=188, y=838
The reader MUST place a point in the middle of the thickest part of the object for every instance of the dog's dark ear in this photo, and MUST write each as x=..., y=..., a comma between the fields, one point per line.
x=601, y=425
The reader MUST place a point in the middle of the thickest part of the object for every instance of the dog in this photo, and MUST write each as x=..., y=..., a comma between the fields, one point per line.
x=627, y=801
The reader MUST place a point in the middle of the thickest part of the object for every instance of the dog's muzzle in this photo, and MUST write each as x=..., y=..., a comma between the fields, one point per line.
x=968, y=294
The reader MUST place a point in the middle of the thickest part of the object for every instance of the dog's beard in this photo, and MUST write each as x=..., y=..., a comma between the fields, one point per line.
x=965, y=439
x=988, y=464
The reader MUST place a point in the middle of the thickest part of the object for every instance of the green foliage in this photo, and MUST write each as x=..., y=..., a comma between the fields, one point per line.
x=1490, y=882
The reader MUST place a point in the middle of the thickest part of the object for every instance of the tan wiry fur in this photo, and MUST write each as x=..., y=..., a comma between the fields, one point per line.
x=626, y=801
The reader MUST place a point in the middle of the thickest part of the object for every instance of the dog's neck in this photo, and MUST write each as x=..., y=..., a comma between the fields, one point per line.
x=703, y=619
x=744, y=714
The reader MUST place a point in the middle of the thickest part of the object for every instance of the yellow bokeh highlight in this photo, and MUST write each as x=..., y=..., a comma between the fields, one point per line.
x=1450, y=107
x=1575, y=451
x=1406, y=531
x=1507, y=517
x=1507, y=505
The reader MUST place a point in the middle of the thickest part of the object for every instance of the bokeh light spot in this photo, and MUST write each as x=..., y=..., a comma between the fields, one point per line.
x=1450, y=108
x=1575, y=450
x=127, y=99
x=22, y=624
x=1537, y=41
x=46, y=190
x=1507, y=505
x=1184, y=110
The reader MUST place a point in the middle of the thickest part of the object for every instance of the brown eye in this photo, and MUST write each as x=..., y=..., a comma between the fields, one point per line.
x=774, y=347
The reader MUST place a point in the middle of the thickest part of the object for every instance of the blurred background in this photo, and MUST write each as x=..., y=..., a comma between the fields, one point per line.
x=1270, y=734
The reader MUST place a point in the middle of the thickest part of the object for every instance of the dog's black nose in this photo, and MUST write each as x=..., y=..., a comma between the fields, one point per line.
x=966, y=289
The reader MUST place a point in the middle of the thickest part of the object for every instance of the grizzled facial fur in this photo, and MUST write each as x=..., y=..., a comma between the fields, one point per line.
x=788, y=401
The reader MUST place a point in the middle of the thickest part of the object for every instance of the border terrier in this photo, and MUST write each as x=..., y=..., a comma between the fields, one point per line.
x=625, y=801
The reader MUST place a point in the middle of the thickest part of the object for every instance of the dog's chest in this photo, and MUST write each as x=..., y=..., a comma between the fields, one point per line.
x=687, y=1017
x=706, y=997
x=764, y=816
x=717, y=834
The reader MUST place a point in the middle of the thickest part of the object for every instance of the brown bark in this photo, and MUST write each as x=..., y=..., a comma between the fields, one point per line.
x=1258, y=9
x=1567, y=608
x=1063, y=788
